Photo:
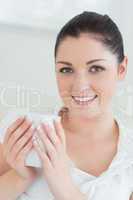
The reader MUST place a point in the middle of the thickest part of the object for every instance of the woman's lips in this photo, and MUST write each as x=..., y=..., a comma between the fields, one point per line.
x=84, y=100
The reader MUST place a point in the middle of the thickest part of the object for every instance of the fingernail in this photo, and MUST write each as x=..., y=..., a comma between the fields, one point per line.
x=34, y=140
x=33, y=127
x=39, y=128
x=35, y=137
x=22, y=117
x=45, y=122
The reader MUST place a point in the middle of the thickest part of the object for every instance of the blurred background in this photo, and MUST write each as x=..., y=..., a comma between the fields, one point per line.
x=28, y=31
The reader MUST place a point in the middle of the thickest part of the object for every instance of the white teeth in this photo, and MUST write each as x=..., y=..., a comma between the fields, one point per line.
x=83, y=99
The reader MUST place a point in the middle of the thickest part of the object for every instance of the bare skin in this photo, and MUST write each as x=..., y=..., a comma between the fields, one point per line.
x=90, y=130
x=13, y=172
x=93, y=157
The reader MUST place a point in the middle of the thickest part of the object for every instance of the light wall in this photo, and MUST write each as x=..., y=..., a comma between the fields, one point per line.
x=27, y=69
x=27, y=75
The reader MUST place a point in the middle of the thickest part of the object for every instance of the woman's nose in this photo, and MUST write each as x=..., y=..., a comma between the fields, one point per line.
x=81, y=83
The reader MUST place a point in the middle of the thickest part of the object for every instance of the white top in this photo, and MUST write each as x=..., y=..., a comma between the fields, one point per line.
x=116, y=183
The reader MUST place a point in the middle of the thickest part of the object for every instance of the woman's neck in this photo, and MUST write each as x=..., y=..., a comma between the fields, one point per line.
x=100, y=127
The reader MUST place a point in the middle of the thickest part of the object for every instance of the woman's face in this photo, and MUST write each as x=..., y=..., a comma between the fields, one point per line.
x=87, y=73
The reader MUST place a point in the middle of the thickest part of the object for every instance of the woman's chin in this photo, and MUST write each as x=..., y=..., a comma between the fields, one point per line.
x=84, y=113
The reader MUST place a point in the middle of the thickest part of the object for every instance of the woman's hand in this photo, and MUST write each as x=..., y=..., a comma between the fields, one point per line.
x=50, y=145
x=16, y=146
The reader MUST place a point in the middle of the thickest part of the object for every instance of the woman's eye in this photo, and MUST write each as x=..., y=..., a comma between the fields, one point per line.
x=95, y=69
x=66, y=70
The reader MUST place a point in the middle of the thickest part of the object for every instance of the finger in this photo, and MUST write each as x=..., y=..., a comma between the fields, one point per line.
x=59, y=130
x=51, y=133
x=22, y=142
x=49, y=147
x=42, y=153
x=19, y=133
x=40, y=143
x=24, y=152
x=10, y=142
x=13, y=127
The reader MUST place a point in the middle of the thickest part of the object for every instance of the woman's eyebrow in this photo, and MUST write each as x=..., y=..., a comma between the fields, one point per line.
x=87, y=63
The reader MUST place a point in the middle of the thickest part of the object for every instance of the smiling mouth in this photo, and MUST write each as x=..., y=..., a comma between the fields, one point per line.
x=83, y=101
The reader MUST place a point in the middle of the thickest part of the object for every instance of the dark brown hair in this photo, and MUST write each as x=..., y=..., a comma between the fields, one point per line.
x=97, y=24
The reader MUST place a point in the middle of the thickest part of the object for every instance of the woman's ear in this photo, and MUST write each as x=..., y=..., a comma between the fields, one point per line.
x=122, y=68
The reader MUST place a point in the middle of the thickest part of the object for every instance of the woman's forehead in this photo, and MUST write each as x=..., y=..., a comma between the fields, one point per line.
x=83, y=47
x=70, y=57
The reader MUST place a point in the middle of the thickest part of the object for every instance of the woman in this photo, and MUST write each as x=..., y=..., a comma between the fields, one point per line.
x=88, y=155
